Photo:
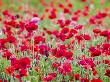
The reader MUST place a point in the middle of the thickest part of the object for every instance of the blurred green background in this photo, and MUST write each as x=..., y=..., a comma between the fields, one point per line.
x=36, y=5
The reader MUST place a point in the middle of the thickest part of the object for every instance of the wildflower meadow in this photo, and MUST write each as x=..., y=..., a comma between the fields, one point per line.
x=54, y=40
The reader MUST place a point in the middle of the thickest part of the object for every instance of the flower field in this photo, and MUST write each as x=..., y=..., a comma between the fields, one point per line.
x=54, y=40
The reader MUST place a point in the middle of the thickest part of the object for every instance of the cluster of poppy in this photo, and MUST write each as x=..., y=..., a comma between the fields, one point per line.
x=65, y=53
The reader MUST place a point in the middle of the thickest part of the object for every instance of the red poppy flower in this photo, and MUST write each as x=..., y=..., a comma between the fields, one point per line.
x=10, y=70
x=53, y=75
x=68, y=55
x=104, y=33
x=85, y=13
x=2, y=43
x=6, y=12
x=66, y=10
x=106, y=62
x=86, y=37
x=73, y=31
x=62, y=36
x=14, y=61
x=96, y=30
x=31, y=26
x=12, y=23
x=53, y=14
x=76, y=76
x=87, y=63
x=67, y=67
x=79, y=38
x=67, y=22
x=91, y=49
x=55, y=33
x=75, y=18
x=61, y=23
x=55, y=65
x=59, y=53
x=61, y=5
x=1, y=80
x=94, y=71
x=107, y=73
x=101, y=15
x=11, y=39
x=61, y=70
x=44, y=50
x=23, y=48
x=92, y=20
x=22, y=73
x=7, y=54
x=62, y=47
x=84, y=80
x=65, y=30
x=77, y=12
x=38, y=39
x=79, y=27
x=25, y=62
x=48, y=78
x=96, y=52
x=96, y=80
x=105, y=46
x=70, y=5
